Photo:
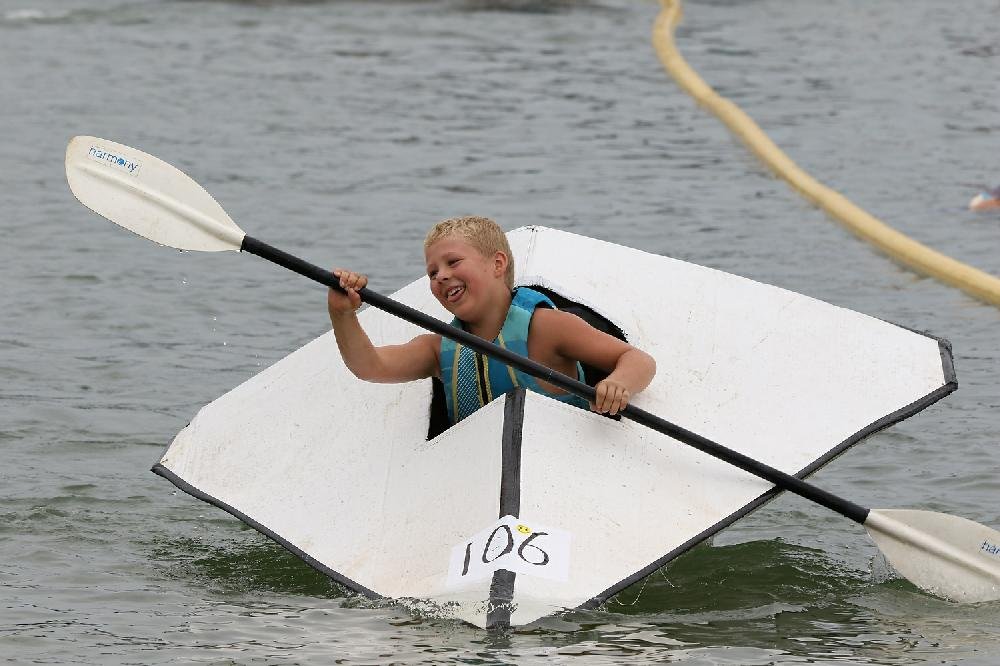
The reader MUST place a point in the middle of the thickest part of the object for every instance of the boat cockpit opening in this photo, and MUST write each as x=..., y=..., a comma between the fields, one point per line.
x=438, y=421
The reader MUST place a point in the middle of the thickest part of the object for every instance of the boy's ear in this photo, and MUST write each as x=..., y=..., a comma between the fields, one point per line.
x=500, y=261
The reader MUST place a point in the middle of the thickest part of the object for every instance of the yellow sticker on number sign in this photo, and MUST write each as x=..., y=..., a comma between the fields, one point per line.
x=524, y=529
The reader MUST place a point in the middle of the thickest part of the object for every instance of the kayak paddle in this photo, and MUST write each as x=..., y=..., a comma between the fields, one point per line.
x=948, y=556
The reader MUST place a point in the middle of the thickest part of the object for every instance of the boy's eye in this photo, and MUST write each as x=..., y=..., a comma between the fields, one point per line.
x=452, y=262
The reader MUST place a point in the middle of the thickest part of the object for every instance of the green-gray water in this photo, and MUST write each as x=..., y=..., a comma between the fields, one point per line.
x=340, y=131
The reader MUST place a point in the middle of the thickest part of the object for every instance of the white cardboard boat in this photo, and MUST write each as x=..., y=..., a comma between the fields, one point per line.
x=530, y=506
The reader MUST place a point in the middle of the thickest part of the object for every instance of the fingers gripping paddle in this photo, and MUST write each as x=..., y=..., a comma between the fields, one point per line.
x=948, y=556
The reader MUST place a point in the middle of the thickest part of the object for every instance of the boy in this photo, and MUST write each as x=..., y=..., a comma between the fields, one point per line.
x=471, y=272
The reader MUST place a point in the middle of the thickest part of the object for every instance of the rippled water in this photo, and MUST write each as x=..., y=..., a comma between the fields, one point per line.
x=339, y=131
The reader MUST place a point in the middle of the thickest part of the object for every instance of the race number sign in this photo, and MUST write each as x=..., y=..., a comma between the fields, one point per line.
x=515, y=544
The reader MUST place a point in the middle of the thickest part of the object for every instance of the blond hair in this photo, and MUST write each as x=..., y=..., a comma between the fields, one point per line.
x=481, y=232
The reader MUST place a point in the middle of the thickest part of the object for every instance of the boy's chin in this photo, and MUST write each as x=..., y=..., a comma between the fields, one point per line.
x=450, y=307
x=459, y=310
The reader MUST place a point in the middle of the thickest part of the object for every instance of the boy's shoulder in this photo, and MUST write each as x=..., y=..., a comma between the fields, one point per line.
x=553, y=323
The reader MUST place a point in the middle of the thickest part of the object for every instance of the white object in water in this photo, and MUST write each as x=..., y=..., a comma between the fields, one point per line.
x=340, y=471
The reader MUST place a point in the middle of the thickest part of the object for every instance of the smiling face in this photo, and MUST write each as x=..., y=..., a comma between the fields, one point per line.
x=466, y=283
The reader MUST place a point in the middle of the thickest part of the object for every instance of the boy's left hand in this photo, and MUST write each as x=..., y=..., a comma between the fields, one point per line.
x=612, y=397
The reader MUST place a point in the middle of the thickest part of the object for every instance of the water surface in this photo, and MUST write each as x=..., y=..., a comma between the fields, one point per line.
x=340, y=131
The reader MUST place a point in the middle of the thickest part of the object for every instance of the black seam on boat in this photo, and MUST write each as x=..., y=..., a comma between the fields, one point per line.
x=510, y=473
x=501, y=602
x=181, y=484
x=947, y=362
x=893, y=418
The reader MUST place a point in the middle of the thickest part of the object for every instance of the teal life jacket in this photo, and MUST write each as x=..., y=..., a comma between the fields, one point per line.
x=472, y=380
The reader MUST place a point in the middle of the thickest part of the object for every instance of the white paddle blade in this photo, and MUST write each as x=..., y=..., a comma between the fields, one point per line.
x=948, y=556
x=147, y=196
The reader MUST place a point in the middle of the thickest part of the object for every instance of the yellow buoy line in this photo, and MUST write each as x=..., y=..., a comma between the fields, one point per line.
x=900, y=247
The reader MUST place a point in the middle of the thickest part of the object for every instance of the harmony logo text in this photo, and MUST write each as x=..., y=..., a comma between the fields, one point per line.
x=111, y=159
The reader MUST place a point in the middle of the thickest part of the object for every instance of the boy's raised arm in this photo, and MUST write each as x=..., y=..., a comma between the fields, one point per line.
x=416, y=359
x=630, y=369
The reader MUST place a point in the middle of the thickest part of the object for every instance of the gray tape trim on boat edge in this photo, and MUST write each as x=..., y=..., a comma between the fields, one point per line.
x=181, y=484
x=951, y=384
x=947, y=362
x=501, y=603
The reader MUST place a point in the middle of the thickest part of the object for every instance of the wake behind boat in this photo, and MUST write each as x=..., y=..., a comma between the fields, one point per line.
x=530, y=506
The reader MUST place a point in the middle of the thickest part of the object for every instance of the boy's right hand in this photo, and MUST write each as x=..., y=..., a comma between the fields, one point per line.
x=341, y=303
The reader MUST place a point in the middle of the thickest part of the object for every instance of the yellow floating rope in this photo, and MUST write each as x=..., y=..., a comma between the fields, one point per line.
x=900, y=247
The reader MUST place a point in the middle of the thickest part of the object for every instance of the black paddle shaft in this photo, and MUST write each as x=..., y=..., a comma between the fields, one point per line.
x=781, y=479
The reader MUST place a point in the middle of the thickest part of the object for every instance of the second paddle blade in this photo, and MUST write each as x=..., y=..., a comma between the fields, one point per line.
x=948, y=556
x=147, y=196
